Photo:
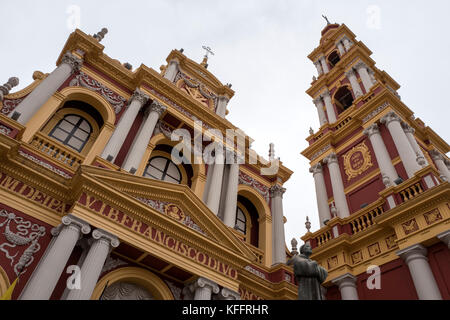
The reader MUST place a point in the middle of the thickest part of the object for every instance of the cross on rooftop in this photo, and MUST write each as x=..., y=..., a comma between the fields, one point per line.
x=208, y=51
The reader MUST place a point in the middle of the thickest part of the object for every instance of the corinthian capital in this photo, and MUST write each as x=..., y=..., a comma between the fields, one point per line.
x=112, y=240
x=331, y=158
x=325, y=94
x=73, y=61
x=436, y=155
x=407, y=128
x=360, y=65
x=227, y=294
x=350, y=73
x=157, y=107
x=277, y=191
x=388, y=118
x=316, y=169
x=373, y=129
x=139, y=96
x=318, y=102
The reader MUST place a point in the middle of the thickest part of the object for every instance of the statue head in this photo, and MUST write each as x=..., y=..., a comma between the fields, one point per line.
x=306, y=250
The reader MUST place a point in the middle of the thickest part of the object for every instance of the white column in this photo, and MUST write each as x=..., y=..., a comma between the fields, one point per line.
x=340, y=47
x=319, y=105
x=424, y=282
x=213, y=199
x=69, y=64
x=321, y=193
x=227, y=294
x=172, y=70
x=209, y=175
x=337, y=185
x=350, y=74
x=229, y=217
x=137, y=100
x=45, y=278
x=318, y=67
x=440, y=164
x=203, y=289
x=361, y=67
x=324, y=63
x=329, y=106
x=406, y=152
x=409, y=131
x=347, y=43
x=222, y=106
x=445, y=238
x=347, y=286
x=278, y=238
x=93, y=264
x=135, y=155
x=382, y=155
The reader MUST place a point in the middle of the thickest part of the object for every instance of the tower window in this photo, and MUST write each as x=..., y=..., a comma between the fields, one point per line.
x=73, y=131
x=163, y=169
x=333, y=58
x=241, y=221
x=343, y=98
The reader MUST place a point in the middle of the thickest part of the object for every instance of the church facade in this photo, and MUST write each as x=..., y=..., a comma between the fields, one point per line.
x=122, y=183
x=381, y=179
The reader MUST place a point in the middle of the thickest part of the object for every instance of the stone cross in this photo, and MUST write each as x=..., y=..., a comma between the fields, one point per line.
x=208, y=51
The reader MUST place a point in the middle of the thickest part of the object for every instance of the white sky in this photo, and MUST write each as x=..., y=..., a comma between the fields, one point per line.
x=260, y=47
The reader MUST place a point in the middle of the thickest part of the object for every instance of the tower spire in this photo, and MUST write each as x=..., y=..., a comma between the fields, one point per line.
x=326, y=19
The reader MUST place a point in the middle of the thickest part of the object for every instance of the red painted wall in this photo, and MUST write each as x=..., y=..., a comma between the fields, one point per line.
x=396, y=283
x=16, y=251
x=333, y=293
x=439, y=259
x=367, y=193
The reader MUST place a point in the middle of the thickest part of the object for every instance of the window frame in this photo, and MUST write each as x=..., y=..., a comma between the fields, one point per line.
x=71, y=134
x=164, y=171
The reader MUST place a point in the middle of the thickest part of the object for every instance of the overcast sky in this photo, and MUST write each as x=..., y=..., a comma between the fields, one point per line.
x=260, y=47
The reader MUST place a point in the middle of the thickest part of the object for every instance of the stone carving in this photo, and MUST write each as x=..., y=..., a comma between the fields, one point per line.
x=10, y=105
x=197, y=90
x=172, y=211
x=262, y=189
x=389, y=117
x=26, y=234
x=5, y=130
x=176, y=291
x=309, y=274
x=320, y=152
x=45, y=165
x=73, y=61
x=277, y=191
x=157, y=107
x=126, y=291
x=82, y=79
x=375, y=112
x=111, y=264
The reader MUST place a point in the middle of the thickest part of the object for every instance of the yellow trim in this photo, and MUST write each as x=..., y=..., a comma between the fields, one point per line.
x=139, y=276
x=4, y=282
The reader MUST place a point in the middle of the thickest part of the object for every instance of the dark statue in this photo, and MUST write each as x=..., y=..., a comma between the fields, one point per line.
x=309, y=274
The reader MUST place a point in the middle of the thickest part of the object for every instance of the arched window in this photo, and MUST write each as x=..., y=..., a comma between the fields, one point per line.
x=241, y=221
x=333, y=58
x=343, y=98
x=161, y=168
x=73, y=131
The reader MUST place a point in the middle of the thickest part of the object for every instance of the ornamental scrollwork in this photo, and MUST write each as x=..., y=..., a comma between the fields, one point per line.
x=20, y=233
x=357, y=161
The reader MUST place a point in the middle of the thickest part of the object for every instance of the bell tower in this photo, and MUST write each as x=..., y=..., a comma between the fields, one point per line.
x=377, y=169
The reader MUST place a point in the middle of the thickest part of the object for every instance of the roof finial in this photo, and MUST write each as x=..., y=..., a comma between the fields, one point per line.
x=271, y=151
x=101, y=34
x=205, y=58
x=308, y=224
x=325, y=17
x=4, y=89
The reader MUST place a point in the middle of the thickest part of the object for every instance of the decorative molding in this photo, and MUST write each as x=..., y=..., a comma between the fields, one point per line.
x=176, y=291
x=375, y=112
x=255, y=272
x=82, y=79
x=357, y=161
x=45, y=165
x=10, y=105
x=111, y=264
x=320, y=152
x=5, y=130
x=262, y=189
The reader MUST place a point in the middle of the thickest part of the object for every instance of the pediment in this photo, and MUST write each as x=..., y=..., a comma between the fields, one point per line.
x=169, y=204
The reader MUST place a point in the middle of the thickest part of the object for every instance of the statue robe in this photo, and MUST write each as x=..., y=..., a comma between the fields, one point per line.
x=310, y=276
